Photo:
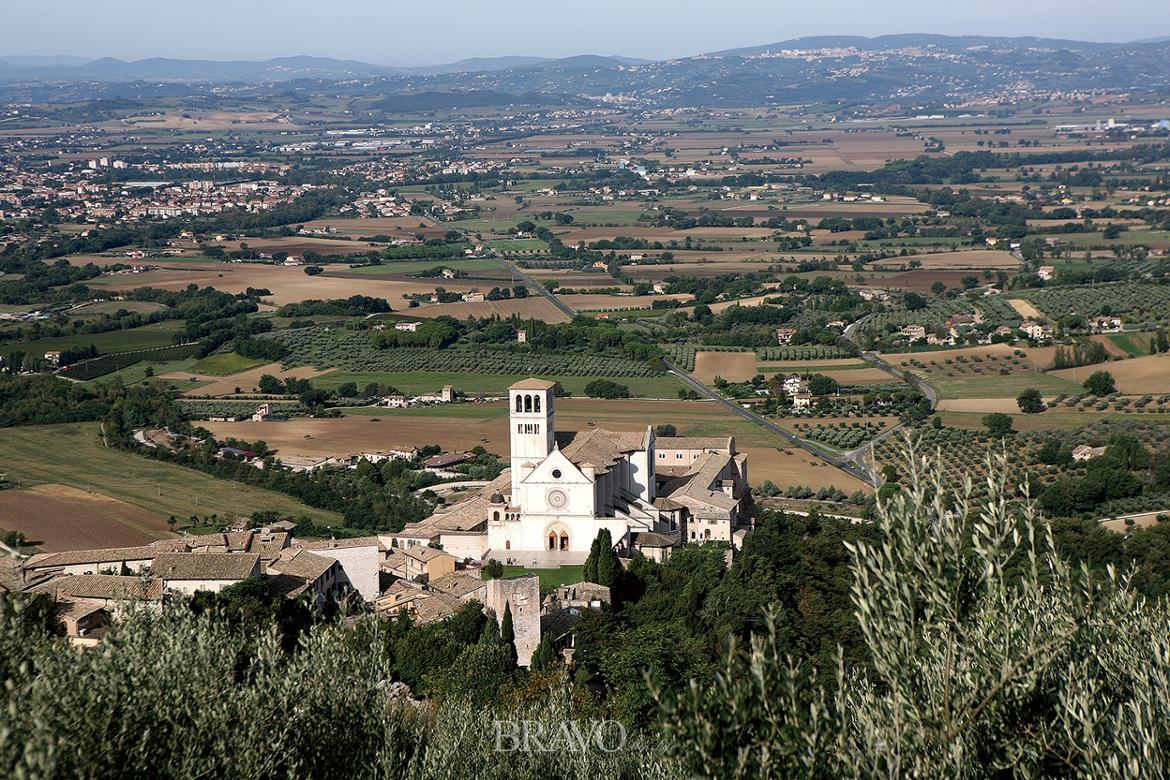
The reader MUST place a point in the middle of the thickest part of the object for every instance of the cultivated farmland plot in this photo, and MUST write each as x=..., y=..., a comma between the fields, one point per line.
x=355, y=351
x=807, y=352
x=843, y=436
x=935, y=314
x=1140, y=305
x=107, y=364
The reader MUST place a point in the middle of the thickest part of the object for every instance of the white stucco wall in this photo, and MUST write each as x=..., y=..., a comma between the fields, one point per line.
x=359, y=567
x=462, y=546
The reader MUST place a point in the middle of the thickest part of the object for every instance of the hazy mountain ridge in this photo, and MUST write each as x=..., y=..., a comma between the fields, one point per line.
x=277, y=69
x=914, y=70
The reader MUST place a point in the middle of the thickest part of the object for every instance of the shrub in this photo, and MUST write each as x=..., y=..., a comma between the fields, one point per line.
x=989, y=655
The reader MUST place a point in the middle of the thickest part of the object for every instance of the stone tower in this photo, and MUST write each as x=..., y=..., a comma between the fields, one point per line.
x=531, y=431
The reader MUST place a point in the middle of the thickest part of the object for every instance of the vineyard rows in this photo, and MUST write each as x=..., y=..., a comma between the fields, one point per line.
x=841, y=435
x=107, y=364
x=935, y=314
x=355, y=351
x=963, y=453
x=1138, y=304
x=997, y=310
x=806, y=352
x=197, y=409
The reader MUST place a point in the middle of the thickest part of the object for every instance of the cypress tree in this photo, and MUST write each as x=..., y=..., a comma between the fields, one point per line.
x=590, y=571
x=491, y=633
x=544, y=656
x=607, y=561
x=507, y=633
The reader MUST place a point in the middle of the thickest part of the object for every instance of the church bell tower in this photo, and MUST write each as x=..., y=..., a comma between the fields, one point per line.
x=531, y=431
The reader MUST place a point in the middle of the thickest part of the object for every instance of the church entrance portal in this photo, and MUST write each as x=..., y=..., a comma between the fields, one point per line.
x=558, y=541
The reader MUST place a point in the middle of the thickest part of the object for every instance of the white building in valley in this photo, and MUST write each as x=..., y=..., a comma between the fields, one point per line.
x=563, y=488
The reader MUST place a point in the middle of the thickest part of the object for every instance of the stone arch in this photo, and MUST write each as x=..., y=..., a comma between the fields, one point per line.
x=519, y=403
x=528, y=403
x=557, y=538
x=536, y=403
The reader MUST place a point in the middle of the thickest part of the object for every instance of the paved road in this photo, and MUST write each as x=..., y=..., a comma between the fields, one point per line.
x=536, y=286
x=845, y=464
x=877, y=361
x=851, y=463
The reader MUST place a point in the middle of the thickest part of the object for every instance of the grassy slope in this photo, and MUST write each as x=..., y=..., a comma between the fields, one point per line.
x=73, y=455
x=137, y=372
x=147, y=337
x=1136, y=344
x=225, y=364
x=1001, y=386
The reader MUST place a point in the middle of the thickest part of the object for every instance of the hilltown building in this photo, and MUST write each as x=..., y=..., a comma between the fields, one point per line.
x=563, y=488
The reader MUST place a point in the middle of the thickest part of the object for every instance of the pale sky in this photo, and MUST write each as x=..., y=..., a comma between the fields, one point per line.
x=437, y=31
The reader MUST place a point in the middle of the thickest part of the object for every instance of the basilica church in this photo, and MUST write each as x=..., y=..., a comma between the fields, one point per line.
x=563, y=488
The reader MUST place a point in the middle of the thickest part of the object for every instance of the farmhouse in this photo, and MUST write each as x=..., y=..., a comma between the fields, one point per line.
x=1037, y=331
x=562, y=489
x=913, y=332
x=447, y=460
x=1084, y=452
x=795, y=385
x=1107, y=324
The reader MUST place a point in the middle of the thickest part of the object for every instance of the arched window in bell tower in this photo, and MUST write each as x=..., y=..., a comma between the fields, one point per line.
x=519, y=404
x=528, y=403
x=536, y=403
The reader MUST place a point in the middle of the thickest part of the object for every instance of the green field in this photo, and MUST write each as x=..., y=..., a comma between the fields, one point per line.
x=518, y=245
x=549, y=578
x=605, y=216
x=1001, y=386
x=225, y=364
x=137, y=372
x=95, y=310
x=74, y=455
x=471, y=384
x=159, y=334
x=1136, y=344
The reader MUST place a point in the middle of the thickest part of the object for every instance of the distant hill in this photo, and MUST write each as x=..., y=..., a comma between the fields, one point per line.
x=891, y=69
x=280, y=69
x=909, y=40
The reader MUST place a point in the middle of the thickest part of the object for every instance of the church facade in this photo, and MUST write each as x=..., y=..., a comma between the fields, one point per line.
x=563, y=488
